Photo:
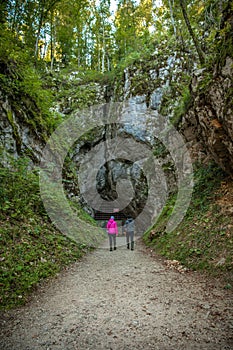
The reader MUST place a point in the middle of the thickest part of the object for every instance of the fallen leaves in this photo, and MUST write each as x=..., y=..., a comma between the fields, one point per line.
x=175, y=264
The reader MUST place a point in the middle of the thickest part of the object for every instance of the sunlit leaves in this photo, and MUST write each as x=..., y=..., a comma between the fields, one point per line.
x=86, y=33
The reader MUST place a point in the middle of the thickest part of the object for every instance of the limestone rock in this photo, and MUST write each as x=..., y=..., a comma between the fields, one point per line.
x=209, y=121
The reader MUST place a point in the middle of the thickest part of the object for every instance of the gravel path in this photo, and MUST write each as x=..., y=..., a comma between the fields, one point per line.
x=122, y=300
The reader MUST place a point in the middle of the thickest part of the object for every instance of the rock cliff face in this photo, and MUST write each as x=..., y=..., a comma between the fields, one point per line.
x=147, y=82
x=19, y=137
x=19, y=134
x=23, y=132
x=208, y=125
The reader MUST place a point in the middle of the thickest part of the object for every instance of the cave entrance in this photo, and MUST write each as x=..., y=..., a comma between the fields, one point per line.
x=106, y=183
x=102, y=216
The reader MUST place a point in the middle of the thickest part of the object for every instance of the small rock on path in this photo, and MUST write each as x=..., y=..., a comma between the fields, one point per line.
x=122, y=300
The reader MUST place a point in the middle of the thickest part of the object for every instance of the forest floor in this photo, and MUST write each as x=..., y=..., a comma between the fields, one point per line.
x=123, y=300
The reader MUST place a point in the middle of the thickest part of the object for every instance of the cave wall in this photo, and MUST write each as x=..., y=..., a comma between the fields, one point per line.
x=208, y=124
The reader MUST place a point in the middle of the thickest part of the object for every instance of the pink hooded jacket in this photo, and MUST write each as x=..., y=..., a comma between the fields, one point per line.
x=112, y=227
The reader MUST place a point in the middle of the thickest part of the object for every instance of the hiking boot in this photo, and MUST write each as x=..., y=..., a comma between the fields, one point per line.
x=110, y=249
x=114, y=248
x=127, y=245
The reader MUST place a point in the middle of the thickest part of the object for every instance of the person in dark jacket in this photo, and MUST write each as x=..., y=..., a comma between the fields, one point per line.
x=129, y=232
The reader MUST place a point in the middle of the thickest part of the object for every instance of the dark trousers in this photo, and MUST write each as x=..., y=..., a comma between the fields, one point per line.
x=130, y=239
x=112, y=238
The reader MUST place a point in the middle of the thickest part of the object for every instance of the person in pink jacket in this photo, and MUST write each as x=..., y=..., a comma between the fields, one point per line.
x=112, y=230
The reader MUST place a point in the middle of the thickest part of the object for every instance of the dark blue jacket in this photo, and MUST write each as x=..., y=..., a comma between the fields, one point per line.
x=129, y=225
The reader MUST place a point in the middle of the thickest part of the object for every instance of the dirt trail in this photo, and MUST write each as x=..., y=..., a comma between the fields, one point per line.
x=122, y=300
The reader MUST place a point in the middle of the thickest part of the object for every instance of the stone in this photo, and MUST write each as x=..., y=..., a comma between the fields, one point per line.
x=221, y=262
x=227, y=70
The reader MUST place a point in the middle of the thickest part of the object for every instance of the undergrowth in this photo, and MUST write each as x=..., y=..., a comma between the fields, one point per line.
x=203, y=240
x=31, y=249
x=22, y=85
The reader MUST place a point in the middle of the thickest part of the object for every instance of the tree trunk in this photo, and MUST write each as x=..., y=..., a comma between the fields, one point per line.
x=172, y=17
x=98, y=48
x=15, y=26
x=38, y=36
x=44, y=8
x=3, y=11
x=51, y=42
x=195, y=41
x=103, y=52
x=109, y=64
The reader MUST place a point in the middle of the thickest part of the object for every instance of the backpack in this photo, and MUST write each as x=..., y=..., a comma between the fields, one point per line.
x=129, y=225
x=112, y=224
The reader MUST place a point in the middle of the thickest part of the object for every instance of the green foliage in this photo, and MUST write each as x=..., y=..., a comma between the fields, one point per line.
x=19, y=186
x=76, y=89
x=130, y=59
x=159, y=150
x=85, y=32
x=207, y=180
x=31, y=251
x=219, y=40
x=80, y=97
x=91, y=76
x=204, y=237
x=81, y=76
x=183, y=106
x=22, y=84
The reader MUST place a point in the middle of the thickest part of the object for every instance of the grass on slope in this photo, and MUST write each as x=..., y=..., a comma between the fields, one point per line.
x=31, y=249
x=204, y=239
